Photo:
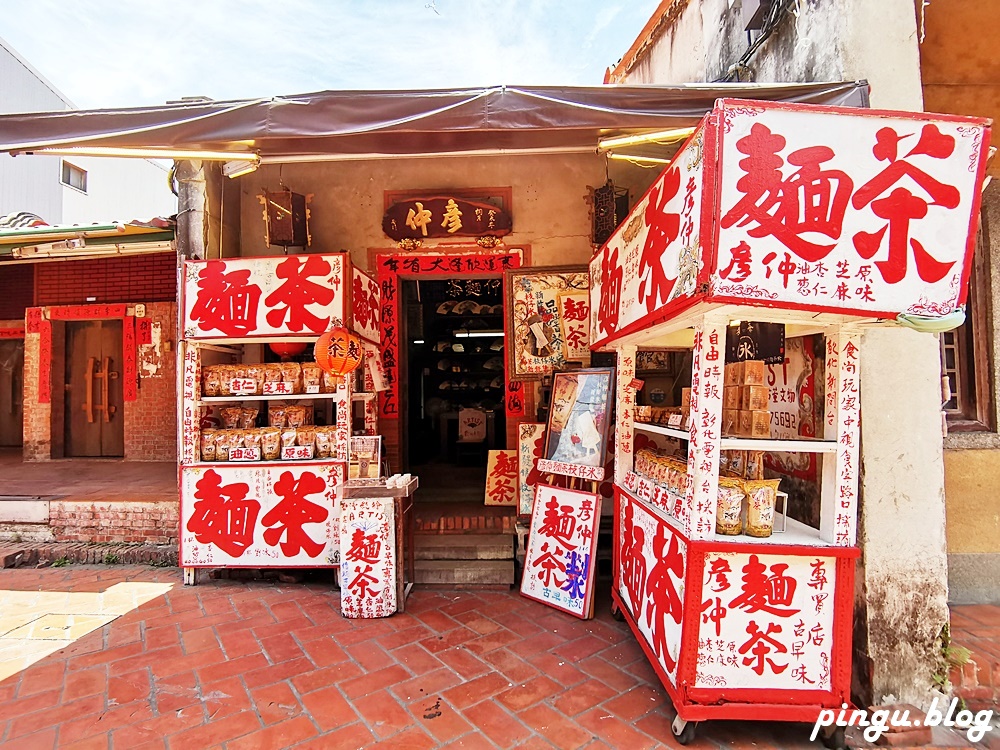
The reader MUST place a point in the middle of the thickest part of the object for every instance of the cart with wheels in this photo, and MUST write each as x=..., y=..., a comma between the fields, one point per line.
x=762, y=216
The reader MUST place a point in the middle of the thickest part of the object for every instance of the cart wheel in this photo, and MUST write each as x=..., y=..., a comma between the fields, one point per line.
x=616, y=613
x=833, y=737
x=684, y=731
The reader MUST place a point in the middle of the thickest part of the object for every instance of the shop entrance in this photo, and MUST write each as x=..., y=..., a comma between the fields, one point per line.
x=94, y=416
x=454, y=383
x=11, y=392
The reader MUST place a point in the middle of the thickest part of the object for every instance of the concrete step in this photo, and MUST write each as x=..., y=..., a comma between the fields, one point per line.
x=464, y=547
x=464, y=573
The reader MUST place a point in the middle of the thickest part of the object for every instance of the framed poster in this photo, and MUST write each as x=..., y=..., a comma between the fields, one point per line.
x=366, y=457
x=548, y=319
x=558, y=564
x=579, y=415
x=501, y=478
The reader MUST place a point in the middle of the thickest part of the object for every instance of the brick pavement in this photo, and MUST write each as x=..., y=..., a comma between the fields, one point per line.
x=266, y=665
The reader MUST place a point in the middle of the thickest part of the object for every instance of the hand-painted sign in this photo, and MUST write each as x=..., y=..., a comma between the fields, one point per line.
x=502, y=478
x=530, y=447
x=244, y=297
x=366, y=306
x=368, y=557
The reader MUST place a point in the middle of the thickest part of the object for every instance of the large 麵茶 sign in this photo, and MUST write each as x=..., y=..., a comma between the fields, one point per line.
x=246, y=297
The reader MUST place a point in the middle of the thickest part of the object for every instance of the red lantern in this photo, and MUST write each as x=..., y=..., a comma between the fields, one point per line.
x=287, y=349
x=338, y=351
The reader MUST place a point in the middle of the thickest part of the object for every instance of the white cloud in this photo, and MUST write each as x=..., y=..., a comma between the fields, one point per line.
x=101, y=53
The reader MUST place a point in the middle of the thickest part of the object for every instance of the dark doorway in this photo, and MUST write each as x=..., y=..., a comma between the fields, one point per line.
x=11, y=392
x=94, y=417
x=454, y=372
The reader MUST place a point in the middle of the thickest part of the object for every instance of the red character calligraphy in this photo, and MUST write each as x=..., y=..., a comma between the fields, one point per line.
x=576, y=337
x=812, y=200
x=365, y=548
x=663, y=601
x=739, y=262
x=558, y=523
x=574, y=309
x=225, y=302
x=901, y=206
x=609, y=305
x=363, y=582
x=294, y=296
x=664, y=227
x=287, y=518
x=550, y=564
x=766, y=593
x=761, y=644
x=223, y=515
x=364, y=303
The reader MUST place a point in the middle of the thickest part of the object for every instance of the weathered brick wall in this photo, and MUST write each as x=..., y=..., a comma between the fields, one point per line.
x=124, y=521
x=17, y=289
x=147, y=278
x=151, y=420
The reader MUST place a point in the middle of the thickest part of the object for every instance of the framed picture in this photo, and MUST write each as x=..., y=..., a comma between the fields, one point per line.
x=548, y=319
x=366, y=457
x=579, y=415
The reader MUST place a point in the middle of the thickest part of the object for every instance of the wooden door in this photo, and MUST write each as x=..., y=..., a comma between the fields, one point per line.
x=95, y=424
x=11, y=392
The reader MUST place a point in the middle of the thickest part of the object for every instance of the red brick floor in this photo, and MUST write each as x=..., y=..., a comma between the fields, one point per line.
x=265, y=665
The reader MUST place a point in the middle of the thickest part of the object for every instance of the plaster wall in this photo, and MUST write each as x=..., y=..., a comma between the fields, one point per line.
x=902, y=597
x=550, y=209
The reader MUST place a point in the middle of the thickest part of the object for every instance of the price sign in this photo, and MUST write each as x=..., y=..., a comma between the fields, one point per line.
x=242, y=386
x=312, y=389
x=636, y=384
x=675, y=420
x=277, y=388
x=296, y=453
x=244, y=454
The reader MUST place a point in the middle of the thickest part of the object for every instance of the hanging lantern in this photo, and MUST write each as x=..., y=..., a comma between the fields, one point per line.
x=338, y=352
x=288, y=349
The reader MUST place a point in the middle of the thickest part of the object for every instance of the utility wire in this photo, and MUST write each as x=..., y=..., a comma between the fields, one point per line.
x=773, y=17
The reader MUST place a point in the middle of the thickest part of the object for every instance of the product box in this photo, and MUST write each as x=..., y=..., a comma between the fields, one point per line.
x=733, y=373
x=685, y=398
x=730, y=422
x=753, y=372
x=754, y=424
x=754, y=398
x=731, y=397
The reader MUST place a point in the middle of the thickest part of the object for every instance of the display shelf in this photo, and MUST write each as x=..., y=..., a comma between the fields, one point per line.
x=261, y=464
x=806, y=445
x=275, y=397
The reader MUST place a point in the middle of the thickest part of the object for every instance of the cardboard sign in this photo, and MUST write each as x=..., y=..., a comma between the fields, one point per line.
x=243, y=386
x=244, y=454
x=368, y=557
x=296, y=452
x=244, y=297
x=275, y=388
x=258, y=516
x=502, y=478
x=560, y=559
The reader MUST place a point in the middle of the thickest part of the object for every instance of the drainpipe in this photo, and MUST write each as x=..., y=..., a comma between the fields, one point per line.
x=191, y=208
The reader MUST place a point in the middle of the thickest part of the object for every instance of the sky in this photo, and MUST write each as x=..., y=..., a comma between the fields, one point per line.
x=104, y=53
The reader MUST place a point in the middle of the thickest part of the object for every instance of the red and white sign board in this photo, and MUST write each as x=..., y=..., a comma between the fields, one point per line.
x=530, y=447
x=767, y=622
x=562, y=541
x=863, y=212
x=502, y=478
x=803, y=207
x=653, y=559
x=368, y=557
x=258, y=516
x=652, y=259
x=245, y=297
x=366, y=306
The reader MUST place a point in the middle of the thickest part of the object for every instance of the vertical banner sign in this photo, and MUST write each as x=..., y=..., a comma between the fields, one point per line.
x=625, y=411
x=530, y=448
x=502, y=478
x=257, y=516
x=143, y=331
x=32, y=319
x=562, y=540
x=652, y=557
x=514, y=399
x=368, y=558
x=129, y=351
x=44, y=361
x=366, y=306
x=705, y=429
x=574, y=322
x=843, y=412
x=190, y=418
x=767, y=622
x=866, y=213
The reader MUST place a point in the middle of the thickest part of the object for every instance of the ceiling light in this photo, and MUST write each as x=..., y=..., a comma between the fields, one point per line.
x=633, y=140
x=234, y=169
x=144, y=153
x=638, y=159
x=462, y=334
